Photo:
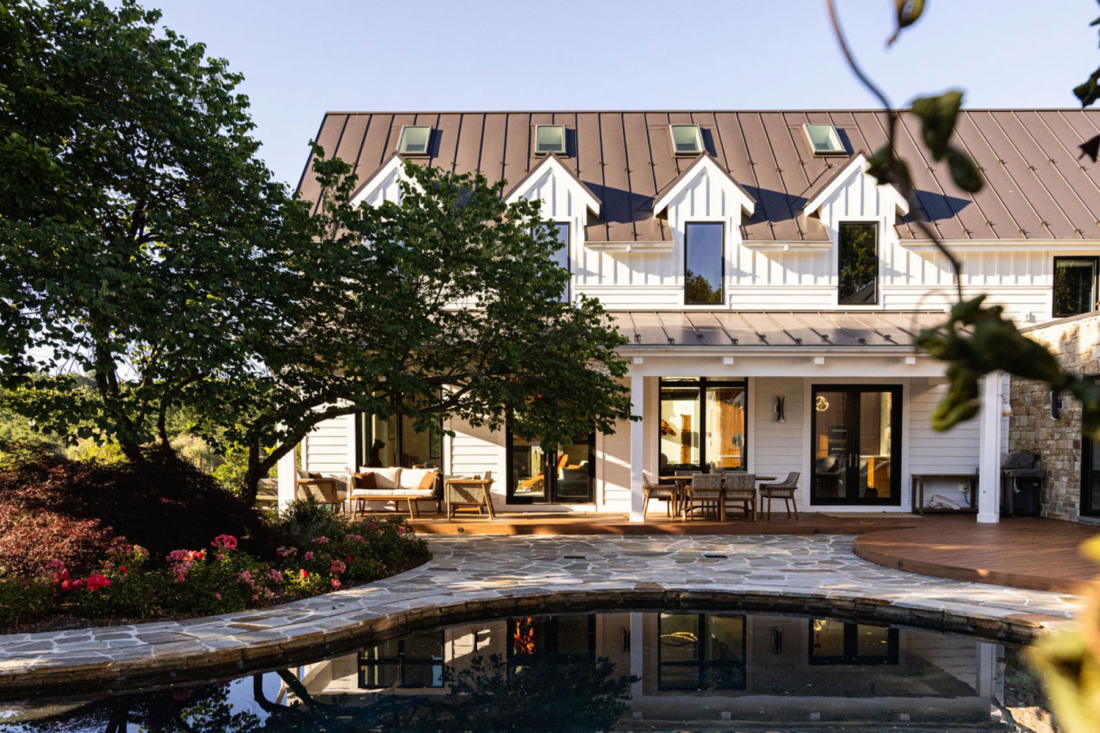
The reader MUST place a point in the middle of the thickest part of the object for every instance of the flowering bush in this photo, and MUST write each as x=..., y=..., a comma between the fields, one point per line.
x=219, y=580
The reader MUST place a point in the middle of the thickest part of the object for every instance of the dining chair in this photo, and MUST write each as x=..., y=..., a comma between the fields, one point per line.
x=783, y=490
x=660, y=492
x=741, y=489
x=704, y=491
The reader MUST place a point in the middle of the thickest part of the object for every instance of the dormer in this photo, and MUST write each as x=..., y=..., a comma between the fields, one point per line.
x=705, y=170
x=564, y=196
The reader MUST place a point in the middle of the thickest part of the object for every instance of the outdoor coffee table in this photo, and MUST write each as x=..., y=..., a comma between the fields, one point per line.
x=468, y=492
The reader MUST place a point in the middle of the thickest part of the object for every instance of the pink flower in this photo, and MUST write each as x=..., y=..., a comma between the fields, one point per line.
x=286, y=552
x=66, y=585
x=303, y=574
x=78, y=583
x=309, y=555
x=225, y=542
x=218, y=596
x=353, y=537
x=275, y=576
x=255, y=597
x=320, y=540
x=335, y=584
x=219, y=557
x=337, y=567
x=97, y=581
x=373, y=525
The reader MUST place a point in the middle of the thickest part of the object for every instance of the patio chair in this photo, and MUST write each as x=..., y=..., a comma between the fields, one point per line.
x=783, y=490
x=741, y=489
x=323, y=490
x=660, y=492
x=705, y=491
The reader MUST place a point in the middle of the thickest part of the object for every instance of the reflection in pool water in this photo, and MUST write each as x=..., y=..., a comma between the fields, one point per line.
x=591, y=672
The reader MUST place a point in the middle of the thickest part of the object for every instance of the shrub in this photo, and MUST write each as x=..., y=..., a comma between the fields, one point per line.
x=305, y=520
x=22, y=601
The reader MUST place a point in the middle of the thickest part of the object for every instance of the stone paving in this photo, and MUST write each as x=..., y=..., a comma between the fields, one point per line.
x=486, y=576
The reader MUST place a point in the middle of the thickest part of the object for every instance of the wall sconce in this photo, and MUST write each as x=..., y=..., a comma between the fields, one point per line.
x=1006, y=406
x=780, y=409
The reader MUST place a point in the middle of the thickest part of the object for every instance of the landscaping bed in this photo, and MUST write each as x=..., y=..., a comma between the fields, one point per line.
x=62, y=566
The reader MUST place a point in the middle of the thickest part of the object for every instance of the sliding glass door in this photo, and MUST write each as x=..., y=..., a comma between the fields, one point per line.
x=1090, y=475
x=565, y=475
x=856, y=444
x=702, y=425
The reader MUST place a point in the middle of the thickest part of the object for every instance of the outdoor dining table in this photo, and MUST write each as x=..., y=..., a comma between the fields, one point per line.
x=681, y=482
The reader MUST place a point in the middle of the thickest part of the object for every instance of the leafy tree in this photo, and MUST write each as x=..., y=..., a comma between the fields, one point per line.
x=138, y=230
x=445, y=304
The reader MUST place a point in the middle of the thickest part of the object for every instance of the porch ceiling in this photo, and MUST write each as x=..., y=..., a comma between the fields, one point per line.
x=735, y=331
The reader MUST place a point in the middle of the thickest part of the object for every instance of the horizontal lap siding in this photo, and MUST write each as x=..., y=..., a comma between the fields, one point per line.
x=475, y=450
x=955, y=451
x=613, y=468
x=327, y=447
x=778, y=446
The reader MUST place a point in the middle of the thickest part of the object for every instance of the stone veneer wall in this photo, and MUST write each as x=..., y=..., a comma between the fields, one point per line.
x=1076, y=342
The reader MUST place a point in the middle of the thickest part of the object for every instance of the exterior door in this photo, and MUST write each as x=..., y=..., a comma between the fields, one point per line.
x=1090, y=477
x=856, y=432
x=565, y=475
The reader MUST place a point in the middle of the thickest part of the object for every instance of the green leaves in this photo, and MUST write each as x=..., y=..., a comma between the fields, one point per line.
x=1089, y=91
x=938, y=115
x=908, y=12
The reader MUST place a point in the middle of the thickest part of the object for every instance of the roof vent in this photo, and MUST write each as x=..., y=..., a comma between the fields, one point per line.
x=415, y=140
x=549, y=139
x=686, y=139
x=824, y=140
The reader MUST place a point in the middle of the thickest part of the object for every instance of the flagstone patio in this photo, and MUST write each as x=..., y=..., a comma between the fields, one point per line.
x=483, y=576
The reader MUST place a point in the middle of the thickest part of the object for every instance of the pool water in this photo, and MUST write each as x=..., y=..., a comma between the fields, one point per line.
x=619, y=670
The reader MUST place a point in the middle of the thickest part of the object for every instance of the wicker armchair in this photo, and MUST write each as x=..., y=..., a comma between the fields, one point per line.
x=705, y=491
x=660, y=492
x=322, y=490
x=783, y=490
x=741, y=489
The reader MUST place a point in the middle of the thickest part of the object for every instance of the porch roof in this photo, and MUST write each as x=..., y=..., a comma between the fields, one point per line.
x=770, y=330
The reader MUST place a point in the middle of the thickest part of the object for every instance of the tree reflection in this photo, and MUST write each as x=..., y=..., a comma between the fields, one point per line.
x=551, y=694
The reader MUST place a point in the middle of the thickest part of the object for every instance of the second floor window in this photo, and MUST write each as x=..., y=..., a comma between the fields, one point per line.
x=857, y=263
x=703, y=266
x=1074, y=286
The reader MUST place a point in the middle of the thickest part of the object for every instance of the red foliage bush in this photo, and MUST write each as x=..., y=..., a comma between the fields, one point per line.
x=51, y=507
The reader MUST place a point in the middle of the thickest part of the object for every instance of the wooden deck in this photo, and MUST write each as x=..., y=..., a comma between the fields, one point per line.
x=1037, y=554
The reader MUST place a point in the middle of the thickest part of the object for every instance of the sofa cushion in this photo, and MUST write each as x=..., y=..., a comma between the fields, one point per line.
x=365, y=481
x=390, y=493
x=418, y=478
x=386, y=478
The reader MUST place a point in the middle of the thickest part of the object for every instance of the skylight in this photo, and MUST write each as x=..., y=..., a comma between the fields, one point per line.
x=549, y=139
x=686, y=139
x=824, y=140
x=415, y=140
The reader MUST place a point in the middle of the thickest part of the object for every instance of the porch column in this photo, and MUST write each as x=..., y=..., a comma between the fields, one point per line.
x=288, y=472
x=637, y=447
x=989, y=450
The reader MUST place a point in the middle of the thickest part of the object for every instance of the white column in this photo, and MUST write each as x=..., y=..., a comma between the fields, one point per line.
x=989, y=451
x=637, y=448
x=288, y=472
x=637, y=653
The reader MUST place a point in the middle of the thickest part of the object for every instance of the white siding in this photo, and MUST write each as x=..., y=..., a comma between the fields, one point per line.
x=779, y=447
x=955, y=451
x=613, y=469
x=327, y=446
x=475, y=450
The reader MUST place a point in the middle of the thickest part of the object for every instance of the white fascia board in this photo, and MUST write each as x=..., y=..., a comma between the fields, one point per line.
x=1054, y=246
x=629, y=246
x=396, y=163
x=859, y=164
x=555, y=168
x=705, y=163
x=793, y=246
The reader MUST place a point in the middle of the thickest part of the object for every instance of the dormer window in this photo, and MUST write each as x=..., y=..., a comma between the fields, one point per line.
x=686, y=139
x=415, y=140
x=549, y=139
x=824, y=140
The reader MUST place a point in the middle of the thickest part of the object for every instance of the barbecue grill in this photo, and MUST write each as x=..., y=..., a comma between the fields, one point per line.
x=1021, y=482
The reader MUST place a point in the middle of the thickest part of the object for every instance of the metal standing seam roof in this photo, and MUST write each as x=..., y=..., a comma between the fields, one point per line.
x=767, y=330
x=1037, y=188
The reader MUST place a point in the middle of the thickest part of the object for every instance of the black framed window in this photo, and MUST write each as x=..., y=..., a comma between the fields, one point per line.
x=570, y=638
x=395, y=442
x=704, y=267
x=1074, y=286
x=703, y=425
x=857, y=263
x=698, y=652
x=414, y=662
x=538, y=474
x=840, y=642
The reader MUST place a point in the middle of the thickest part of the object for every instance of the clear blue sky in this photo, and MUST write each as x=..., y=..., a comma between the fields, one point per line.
x=303, y=58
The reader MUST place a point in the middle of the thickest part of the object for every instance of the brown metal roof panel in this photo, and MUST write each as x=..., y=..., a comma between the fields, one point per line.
x=825, y=332
x=468, y=150
x=617, y=210
x=648, y=326
x=372, y=151
x=1073, y=127
x=708, y=331
x=768, y=332
x=351, y=140
x=1058, y=143
x=737, y=329
x=797, y=330
x=871, y=332
x=864, y=132
x=491, y=161
x=639, y=170
x=1033, y=169
x=328, y=139
x=517, y=147
x=445, y=144
x=773, y=194
x=660, y=149
x=589, y=169
x=912, y=322
x=679, y=328
x=1020, y=220
x=939, y=204
x=791, y=169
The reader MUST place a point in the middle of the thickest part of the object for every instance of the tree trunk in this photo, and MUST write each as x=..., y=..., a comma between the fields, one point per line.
x=131, y=450
x=252, y=475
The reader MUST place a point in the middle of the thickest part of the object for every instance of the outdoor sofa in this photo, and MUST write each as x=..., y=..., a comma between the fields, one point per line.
x=396, y=484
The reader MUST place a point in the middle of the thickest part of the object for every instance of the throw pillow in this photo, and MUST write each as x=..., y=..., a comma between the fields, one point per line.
x=428, y=482
x=365, y=481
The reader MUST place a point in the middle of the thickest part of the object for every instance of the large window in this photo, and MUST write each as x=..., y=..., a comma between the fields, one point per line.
x=396, y=442
x=539, y=475
x=857, y=265
x=700, y=652
x=413, y=662
x=702, y=425
x=703, y=266
x=1090, y=475
x=1074, y=286
x=839, y=642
